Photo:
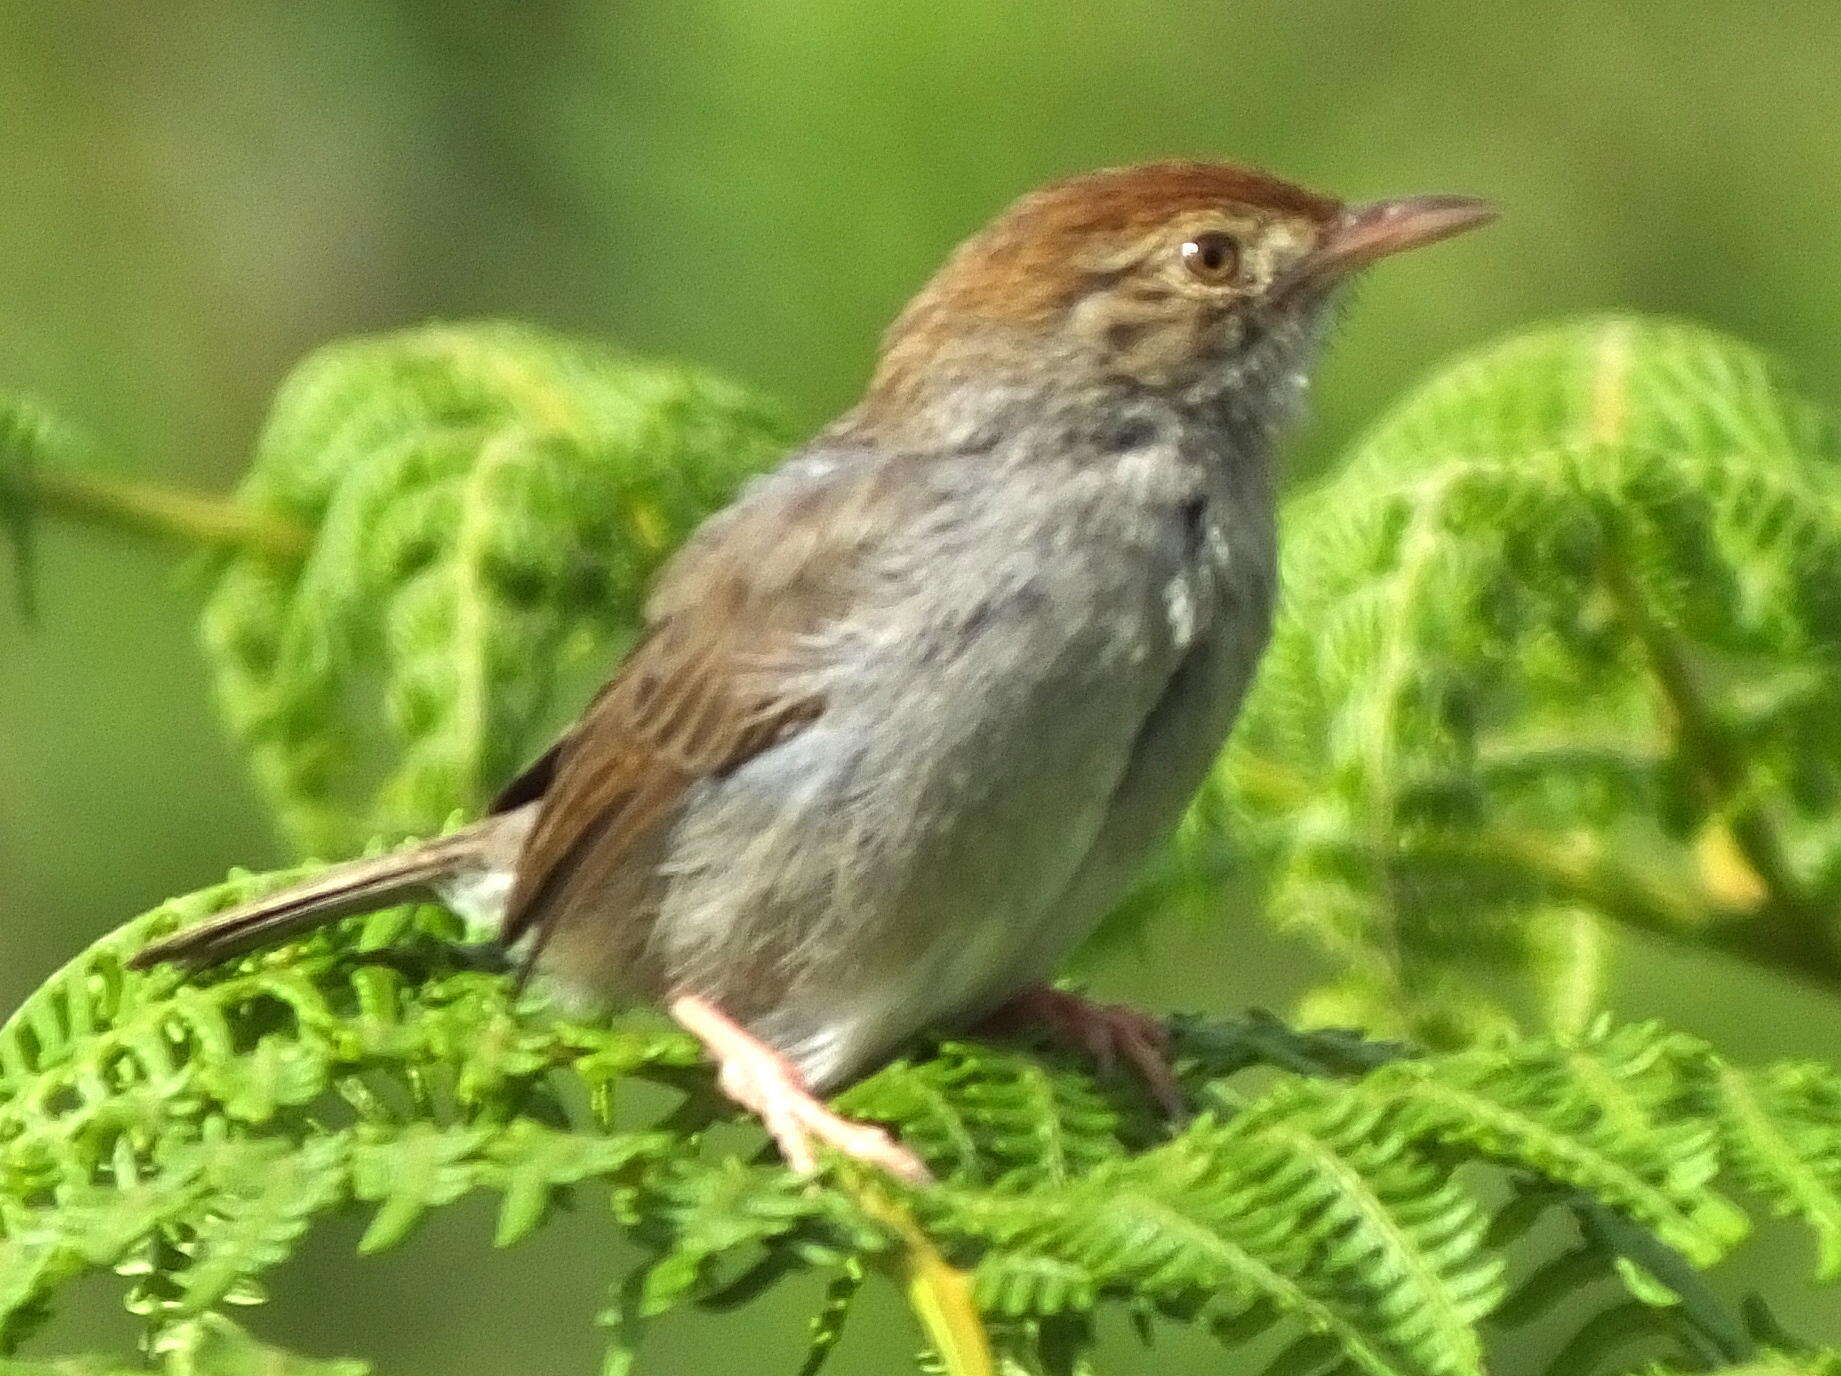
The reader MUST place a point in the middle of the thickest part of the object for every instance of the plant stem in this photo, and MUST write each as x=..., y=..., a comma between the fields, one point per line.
x=1594, y=878
x=176, y=517
x=939, y=1293
x=1639, y=901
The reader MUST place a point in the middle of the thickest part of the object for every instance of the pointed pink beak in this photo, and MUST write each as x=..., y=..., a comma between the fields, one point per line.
x=1364, y=233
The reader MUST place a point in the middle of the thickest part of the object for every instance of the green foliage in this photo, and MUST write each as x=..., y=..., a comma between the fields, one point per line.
x=1556, y=649
x=483, y=507
x=1560, y=643
x=1336, y=1204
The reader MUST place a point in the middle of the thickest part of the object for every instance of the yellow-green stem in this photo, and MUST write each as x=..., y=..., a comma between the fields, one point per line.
x=939, y=1293
x=178, y=517
x=1593, y=877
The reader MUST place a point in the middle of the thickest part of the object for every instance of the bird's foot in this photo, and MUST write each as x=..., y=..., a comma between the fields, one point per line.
x=768, y=1085
x=1108, y=1032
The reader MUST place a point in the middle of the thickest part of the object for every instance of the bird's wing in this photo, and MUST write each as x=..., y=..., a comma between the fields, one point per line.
x=725, y=669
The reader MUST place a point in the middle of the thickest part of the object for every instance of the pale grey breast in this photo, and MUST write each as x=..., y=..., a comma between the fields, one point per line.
x=900, y=861
x=1236, y=580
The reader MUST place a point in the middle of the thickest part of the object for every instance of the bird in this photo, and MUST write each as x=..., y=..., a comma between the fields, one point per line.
x=908, y=716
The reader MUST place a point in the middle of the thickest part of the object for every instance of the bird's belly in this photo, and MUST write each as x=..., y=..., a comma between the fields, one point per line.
x=949, y=824
x=1062, y=851
x=1169, y=762
x=915, y=863
x=887, y=882
x=839, y=944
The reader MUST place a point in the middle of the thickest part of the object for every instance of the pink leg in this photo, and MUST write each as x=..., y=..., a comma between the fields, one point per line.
x=768, y=1085
x=1108, y=1032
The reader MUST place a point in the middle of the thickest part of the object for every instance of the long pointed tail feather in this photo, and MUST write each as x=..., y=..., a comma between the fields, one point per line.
x=359, y=886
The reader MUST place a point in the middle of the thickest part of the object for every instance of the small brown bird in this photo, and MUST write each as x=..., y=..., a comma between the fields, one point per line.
x=911, y=712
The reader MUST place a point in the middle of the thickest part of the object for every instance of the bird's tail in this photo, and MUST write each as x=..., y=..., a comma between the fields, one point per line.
x=359, y=886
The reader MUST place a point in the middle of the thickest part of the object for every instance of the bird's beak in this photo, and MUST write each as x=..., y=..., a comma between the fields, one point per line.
x=1364, y=233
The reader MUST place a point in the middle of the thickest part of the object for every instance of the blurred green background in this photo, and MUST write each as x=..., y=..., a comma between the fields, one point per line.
x=196, y=194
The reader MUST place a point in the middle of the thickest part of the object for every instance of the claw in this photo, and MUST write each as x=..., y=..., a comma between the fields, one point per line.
x=768, y=1085
x=1107, y=1032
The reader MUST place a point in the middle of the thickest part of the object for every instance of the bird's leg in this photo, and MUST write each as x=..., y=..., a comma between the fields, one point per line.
x=768, y=1085
x=1108, y=1032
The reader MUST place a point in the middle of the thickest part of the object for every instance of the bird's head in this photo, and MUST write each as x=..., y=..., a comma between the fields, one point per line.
x=1183, y=277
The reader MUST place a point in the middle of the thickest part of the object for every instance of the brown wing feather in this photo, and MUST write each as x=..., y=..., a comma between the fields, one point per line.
x=721, y=674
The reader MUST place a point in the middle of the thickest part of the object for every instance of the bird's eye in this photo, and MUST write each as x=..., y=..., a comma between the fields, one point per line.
x=1213, y=257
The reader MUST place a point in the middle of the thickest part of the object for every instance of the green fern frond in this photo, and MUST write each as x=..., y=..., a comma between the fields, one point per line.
x=1336, y=1201
x=1557, y=646
x=1782, y=1127
x=485, y=504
